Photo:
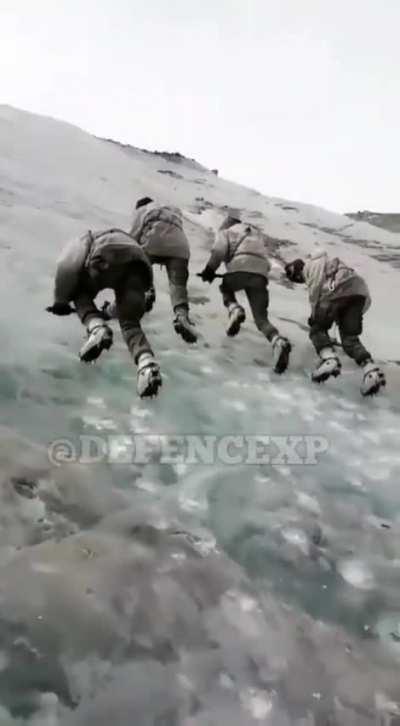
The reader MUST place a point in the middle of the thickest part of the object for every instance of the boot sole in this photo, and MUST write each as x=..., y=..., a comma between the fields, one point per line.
x=96, y=351
x=373, y=391
x=187, y=336
x=325, y=377
x=235, y=327
x=152, y=389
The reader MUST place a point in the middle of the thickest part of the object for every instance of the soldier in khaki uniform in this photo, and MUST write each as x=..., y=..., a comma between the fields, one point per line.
x=337, y=295
x=109, y=259
x=158, y=229
x=243, y=249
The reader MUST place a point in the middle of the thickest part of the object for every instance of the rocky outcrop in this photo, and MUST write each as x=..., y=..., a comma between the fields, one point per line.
x=388, y=221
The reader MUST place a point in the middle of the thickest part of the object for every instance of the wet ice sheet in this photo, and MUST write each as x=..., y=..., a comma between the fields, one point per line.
x=186, y=593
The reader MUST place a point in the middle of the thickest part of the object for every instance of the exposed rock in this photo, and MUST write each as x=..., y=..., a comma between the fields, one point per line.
x=170, y=173
x=389, y=221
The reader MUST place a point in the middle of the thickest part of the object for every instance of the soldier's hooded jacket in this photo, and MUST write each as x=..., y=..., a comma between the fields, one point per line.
x=243, y=248
x=330, y=279
x=102, y=250
x=159, y=230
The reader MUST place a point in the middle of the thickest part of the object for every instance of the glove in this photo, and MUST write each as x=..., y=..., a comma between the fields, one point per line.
x=60, y=308
x=310, y=321
x=207, y=275
x=150, y=298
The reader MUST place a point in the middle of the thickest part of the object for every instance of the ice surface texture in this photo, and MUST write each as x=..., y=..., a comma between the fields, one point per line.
x=185, y=593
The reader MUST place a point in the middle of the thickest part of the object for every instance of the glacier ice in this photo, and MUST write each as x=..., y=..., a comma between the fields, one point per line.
x=187, y=593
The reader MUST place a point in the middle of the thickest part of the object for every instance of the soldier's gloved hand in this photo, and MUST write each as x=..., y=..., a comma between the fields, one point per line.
x=60, y=308
x=207, y=275
x=149, y=299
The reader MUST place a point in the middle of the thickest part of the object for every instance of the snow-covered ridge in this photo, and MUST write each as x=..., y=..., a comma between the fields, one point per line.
x=173, y=157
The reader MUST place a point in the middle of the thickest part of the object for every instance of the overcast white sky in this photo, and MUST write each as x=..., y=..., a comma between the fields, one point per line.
x=297, y=98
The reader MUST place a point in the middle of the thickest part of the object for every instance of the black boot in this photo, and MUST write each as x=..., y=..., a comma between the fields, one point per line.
x=282, y=349
x=184, y=326
x=237, y=316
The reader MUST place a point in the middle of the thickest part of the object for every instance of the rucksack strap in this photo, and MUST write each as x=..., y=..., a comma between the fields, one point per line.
x=242, y=239
x=331, y=275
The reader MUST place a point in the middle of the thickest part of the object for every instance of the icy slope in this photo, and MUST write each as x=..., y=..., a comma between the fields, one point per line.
x=188, y=593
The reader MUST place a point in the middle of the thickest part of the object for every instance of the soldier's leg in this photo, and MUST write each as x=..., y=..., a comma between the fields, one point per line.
x=329, y=363
x=258, y=297
x=178, y=275
x=150, y=294
x=350, y=323
x=231, y=283
x=99, y=335
x=130, y=306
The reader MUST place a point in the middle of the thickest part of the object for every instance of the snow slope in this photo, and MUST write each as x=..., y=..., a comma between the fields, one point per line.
x=179, y=593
